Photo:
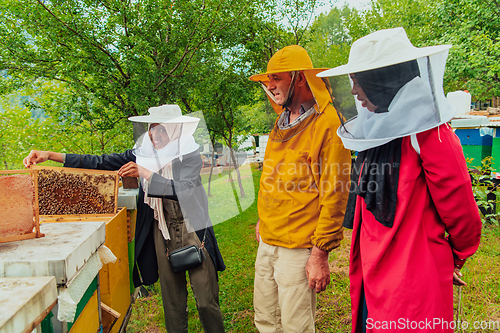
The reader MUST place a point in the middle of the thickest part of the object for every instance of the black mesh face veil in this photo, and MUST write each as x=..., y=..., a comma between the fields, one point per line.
x=401, y=84
x=382, y=84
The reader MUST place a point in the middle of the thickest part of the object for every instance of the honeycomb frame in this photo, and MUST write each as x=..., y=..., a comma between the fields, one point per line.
x=36, y=233
x=76, y=180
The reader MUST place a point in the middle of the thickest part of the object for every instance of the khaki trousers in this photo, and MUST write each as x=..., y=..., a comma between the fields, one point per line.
x=174, y=292
x=283, y=301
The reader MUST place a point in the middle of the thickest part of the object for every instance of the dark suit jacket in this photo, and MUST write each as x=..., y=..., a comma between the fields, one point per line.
x=185, y=186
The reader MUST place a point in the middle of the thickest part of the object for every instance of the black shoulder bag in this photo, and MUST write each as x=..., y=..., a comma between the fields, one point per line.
x=187, y=257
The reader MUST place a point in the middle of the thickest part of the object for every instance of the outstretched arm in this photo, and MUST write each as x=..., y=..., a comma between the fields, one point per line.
x=40, y=156
x=103, y=162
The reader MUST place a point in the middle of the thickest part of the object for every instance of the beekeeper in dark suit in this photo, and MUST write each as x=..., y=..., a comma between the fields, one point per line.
x=172, y=212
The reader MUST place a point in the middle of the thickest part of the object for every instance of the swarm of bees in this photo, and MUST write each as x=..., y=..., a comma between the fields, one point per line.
x=62, y=193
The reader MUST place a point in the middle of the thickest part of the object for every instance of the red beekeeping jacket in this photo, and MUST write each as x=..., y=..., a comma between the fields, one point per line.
x=407, y=270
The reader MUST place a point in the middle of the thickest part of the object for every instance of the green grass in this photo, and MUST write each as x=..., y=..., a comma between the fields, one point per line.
x=480, y=298
x=225, y=200
x=147, y=314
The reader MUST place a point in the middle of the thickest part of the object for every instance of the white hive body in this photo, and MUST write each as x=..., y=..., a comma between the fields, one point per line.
x=23, y=300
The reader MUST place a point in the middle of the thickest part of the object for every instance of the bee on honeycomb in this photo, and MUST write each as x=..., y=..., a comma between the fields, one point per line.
x=62, y=193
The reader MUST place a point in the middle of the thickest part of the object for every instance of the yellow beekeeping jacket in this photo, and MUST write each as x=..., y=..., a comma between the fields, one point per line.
x=305, y=176
x=304, y=185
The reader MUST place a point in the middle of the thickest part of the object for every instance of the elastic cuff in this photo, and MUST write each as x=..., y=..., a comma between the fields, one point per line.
x=330, y=243
x=329, y=247
x=458, y=263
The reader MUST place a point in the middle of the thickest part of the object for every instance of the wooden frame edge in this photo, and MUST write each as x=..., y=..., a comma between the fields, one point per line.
x=36, y=209
x=76, y=170
x=15, y=238
x=40, y=318
x=117, y=185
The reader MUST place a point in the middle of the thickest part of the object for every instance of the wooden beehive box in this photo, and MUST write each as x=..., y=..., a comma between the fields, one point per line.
x=69, y=193
x=19, y=219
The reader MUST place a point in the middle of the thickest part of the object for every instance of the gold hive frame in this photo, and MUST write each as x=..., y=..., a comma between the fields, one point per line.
x=78, y=217
x=33, y=171
x=36, y=233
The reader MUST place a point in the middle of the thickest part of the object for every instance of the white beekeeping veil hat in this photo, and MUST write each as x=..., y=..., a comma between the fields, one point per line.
x=403, y=81
x=180, y=130
x=187, y=139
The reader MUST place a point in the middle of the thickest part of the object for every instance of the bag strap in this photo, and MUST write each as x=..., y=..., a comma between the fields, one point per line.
x=203, y=241
x=202, y=245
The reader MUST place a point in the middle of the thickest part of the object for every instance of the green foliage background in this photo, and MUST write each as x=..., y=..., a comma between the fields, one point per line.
x=72, y=72
x=81, y=68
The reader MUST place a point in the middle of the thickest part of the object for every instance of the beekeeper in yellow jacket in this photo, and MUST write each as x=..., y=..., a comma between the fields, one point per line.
x=302, y=197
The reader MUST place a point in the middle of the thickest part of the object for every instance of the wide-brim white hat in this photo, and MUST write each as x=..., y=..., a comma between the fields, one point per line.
x=381, y=49
x=168, y=113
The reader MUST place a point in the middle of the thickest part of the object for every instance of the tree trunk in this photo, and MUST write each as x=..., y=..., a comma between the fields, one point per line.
x=211, y=172
x=236, y=168
x=186, y=104
x=231, y=181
